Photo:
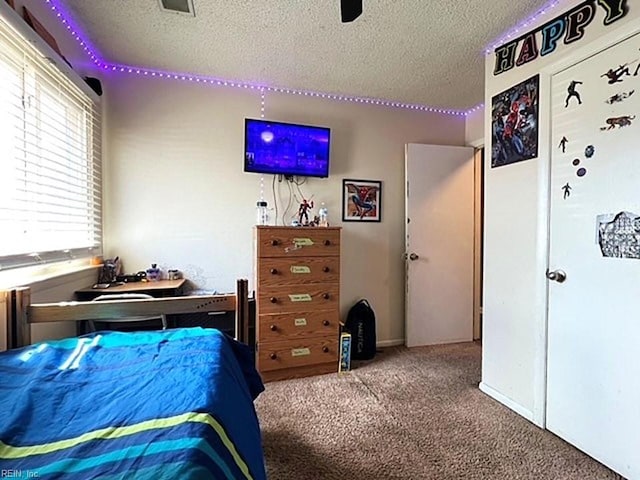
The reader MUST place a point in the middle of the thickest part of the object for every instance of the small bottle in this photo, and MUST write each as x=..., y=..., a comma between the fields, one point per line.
x=323, y=213
x=262, y=213
x=153, y=273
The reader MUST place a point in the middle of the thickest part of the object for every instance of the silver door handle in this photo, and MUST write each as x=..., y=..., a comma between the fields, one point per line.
x=557, y=276
x=413, y=256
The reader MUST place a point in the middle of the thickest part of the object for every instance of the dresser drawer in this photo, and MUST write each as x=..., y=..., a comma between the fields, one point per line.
x=299, y=298
x=287, y=271
x=298, y=325
x=297, y=353
x=297, y=242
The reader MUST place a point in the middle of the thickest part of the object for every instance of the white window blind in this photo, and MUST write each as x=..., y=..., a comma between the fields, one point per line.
x=50, y=165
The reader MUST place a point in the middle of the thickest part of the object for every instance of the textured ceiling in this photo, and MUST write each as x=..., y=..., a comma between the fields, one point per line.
x=416, y=51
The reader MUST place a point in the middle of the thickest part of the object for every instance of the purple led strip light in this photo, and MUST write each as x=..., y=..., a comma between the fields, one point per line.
x=480, y=106
x=101, y=63
x=291, y=91
x=74, y=31
x=513, y=33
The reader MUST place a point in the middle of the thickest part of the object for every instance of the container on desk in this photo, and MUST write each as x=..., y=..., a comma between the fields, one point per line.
x=154, y=273
x=174, y=274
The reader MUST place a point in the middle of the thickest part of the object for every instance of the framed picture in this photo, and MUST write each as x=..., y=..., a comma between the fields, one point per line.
x=361, y=200
x=514, y=123
x=33, y=22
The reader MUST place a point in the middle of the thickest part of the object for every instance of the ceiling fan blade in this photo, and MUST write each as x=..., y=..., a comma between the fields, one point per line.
x=350, y=10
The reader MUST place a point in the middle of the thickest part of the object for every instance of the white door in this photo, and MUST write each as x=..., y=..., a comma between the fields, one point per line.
x=439, y=244
x=593, y=377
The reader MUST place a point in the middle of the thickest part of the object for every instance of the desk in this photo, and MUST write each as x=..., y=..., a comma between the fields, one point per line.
x=160, y=288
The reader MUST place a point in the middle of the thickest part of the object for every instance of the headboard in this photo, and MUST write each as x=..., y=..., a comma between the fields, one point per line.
x=17, y=313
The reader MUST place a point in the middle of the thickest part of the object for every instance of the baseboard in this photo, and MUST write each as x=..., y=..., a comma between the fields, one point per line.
x=507, y=402
x=390, y=343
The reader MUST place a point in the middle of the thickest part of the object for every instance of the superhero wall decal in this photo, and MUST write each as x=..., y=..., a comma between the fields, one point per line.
x=514, y=123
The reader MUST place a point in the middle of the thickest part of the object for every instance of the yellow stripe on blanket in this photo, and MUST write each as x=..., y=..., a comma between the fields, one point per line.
x=10, y=452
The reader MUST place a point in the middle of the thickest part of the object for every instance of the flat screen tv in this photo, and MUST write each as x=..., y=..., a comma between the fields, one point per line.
x=287, y=149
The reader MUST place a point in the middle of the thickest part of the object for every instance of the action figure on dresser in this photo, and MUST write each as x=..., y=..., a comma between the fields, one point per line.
x=303, y=211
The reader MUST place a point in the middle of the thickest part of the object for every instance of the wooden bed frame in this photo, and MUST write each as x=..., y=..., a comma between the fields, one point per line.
x=17, y=313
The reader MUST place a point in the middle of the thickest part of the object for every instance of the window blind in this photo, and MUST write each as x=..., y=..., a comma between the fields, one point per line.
x=50, y=168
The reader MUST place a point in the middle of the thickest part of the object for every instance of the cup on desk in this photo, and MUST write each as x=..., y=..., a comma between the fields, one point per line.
x=173, y=274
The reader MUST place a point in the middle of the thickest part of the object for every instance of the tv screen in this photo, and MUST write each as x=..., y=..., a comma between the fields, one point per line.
x=286, y=148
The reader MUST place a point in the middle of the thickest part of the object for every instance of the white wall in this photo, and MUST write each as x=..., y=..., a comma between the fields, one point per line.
x=176, y=193
x=474, y=128
x=516, y=235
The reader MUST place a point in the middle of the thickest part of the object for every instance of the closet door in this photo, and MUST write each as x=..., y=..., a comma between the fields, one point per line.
x=593, y=378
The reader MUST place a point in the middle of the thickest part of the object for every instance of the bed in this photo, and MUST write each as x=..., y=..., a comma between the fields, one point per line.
x=147, y=405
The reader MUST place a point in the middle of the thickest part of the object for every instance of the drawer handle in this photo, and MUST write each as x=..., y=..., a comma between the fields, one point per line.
x=274, y=271
x=275, y=242
x=325, y=269
x=326, y=323
x=273, y=356
x=273, y=328
x=273, y=300
x=325, y=296
x=325, y=349
x=327, y=242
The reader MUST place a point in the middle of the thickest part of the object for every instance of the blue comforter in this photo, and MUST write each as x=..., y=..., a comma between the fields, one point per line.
x=176, y=404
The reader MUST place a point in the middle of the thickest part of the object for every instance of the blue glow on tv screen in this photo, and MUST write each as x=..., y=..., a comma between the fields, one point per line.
x=286, y=148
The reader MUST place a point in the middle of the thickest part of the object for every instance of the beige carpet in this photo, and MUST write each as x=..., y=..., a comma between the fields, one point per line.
x=408, y=414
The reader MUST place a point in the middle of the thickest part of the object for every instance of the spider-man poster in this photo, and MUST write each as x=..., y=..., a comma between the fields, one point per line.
x=361, y=200
x=514, y=123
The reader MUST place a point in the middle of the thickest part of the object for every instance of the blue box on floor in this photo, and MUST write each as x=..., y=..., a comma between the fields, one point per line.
x=345, y=352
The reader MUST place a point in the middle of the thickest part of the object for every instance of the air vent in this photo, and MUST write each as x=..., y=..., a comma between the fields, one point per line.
x=181, y=7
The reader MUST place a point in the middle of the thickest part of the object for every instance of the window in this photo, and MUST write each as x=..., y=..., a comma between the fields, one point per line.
x=50, y=163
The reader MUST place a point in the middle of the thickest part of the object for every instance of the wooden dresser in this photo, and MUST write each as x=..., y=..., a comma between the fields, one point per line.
x=297, y=301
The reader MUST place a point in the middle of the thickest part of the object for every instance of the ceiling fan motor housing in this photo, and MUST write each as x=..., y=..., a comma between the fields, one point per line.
x=350, y=10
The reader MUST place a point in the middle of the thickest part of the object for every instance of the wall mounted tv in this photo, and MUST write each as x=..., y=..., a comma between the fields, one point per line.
x=287, y=149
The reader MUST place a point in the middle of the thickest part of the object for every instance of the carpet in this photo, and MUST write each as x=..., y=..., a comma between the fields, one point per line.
x=408, y=414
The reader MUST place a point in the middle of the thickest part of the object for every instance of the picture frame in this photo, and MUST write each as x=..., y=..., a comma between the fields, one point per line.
x=361, y=200
x=514, y=123
x=40, y=29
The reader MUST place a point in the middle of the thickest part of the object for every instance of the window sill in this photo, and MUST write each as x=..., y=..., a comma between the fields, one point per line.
x=44, y=276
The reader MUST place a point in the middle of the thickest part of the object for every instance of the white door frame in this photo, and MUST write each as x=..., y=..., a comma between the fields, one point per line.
x=478, y=214
x=544, y=204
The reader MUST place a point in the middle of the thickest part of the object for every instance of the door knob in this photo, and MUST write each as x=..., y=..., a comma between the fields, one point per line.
x=413, y=256
x=557, y=276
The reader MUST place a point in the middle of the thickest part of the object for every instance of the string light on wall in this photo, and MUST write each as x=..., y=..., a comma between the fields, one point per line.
x=262, y=102
x=64, y=17
x=249, y=86
x=513, y=33
x=480, y=106
x=73, y=30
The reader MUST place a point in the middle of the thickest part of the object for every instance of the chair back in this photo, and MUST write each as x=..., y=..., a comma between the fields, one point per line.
x=127, y=296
